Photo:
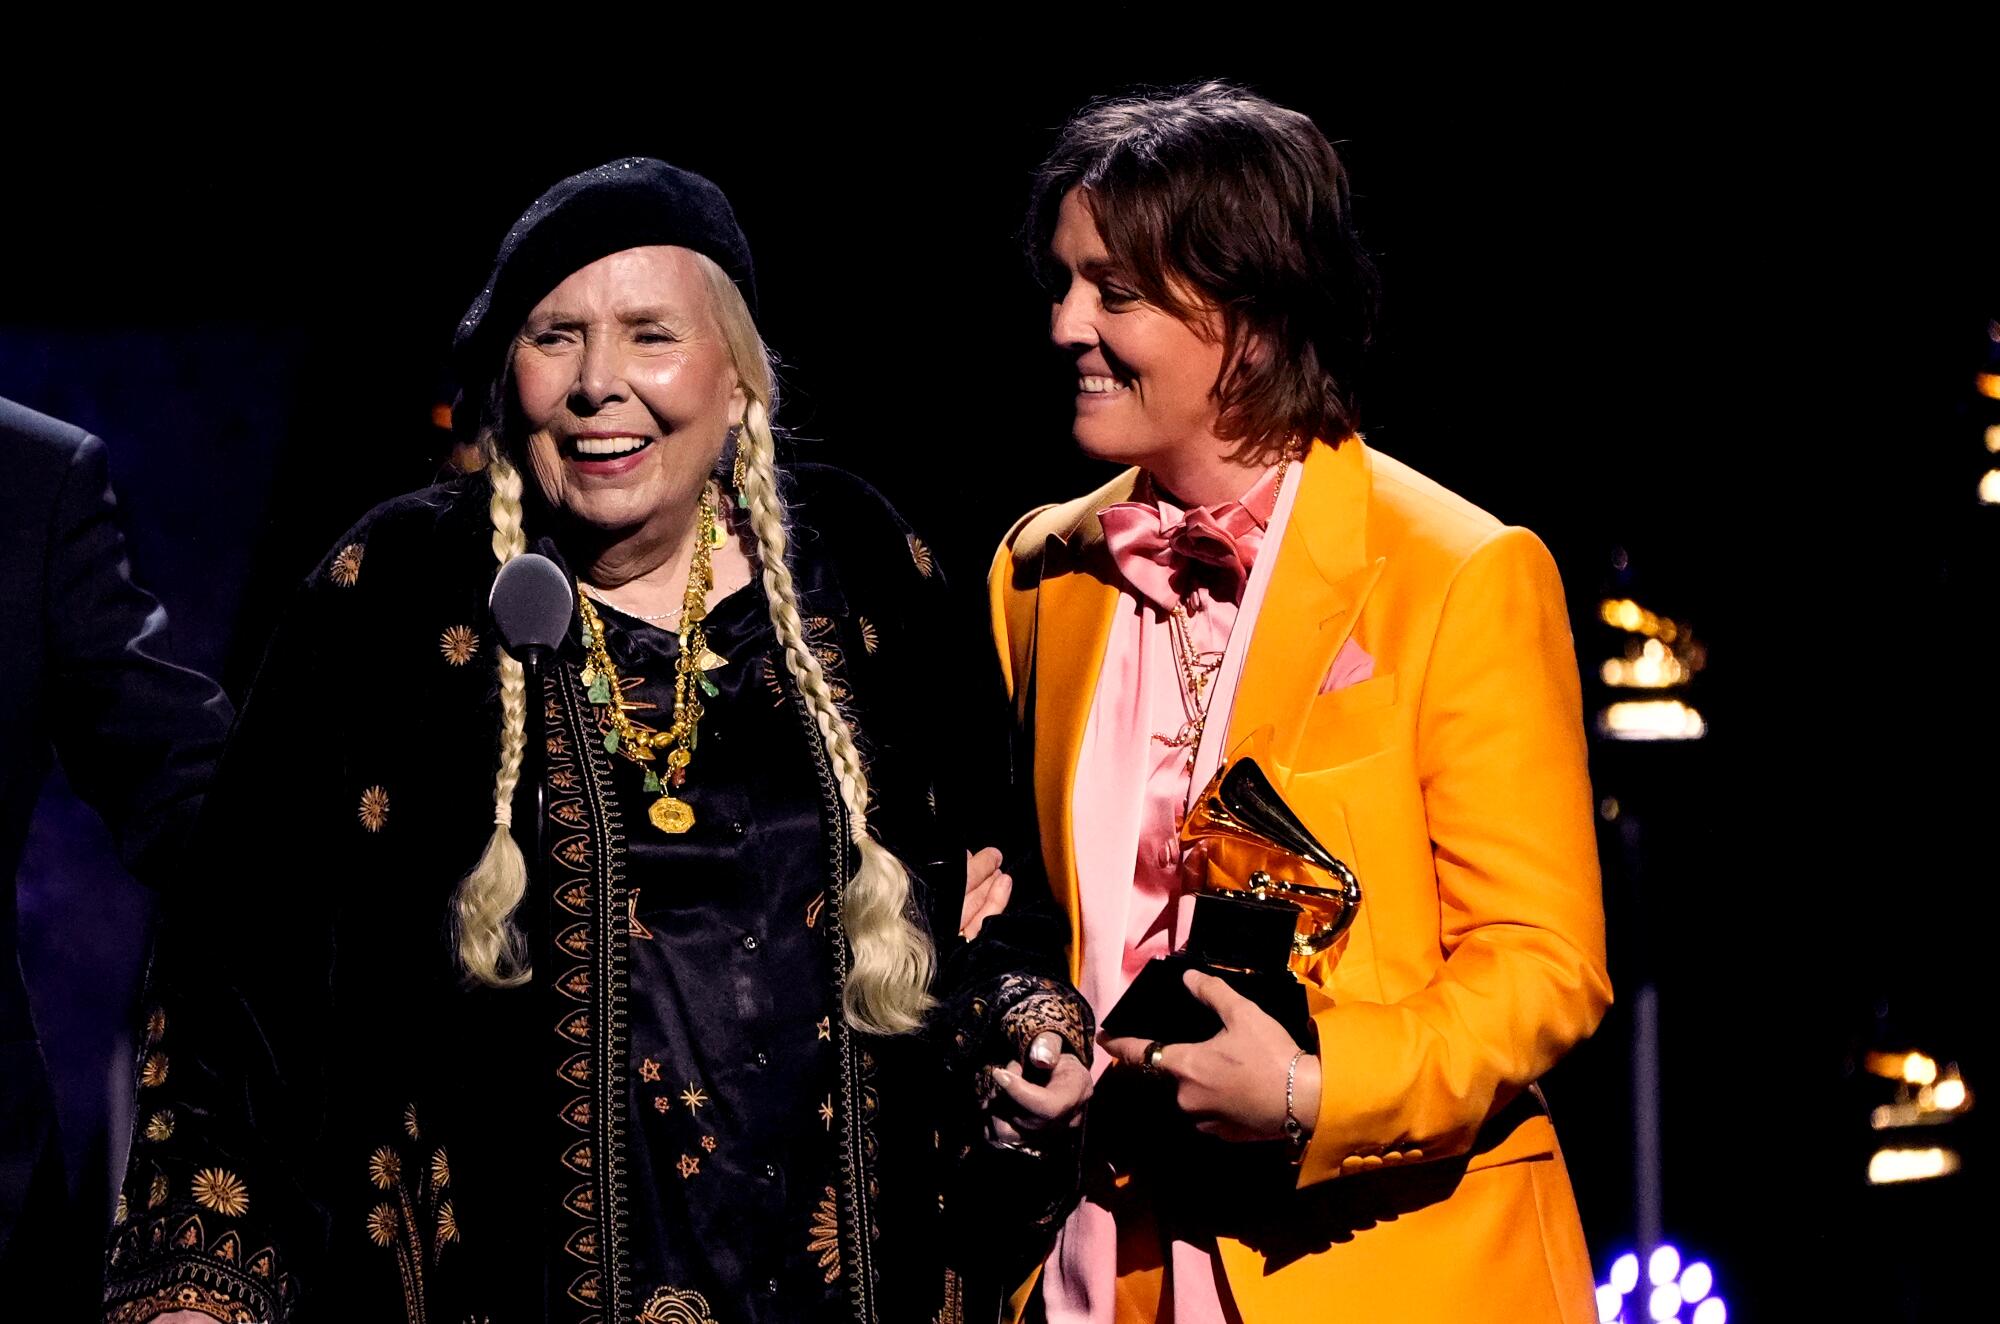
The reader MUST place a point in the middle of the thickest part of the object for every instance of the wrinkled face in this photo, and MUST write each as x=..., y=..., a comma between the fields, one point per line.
x=1145, y=379
x=626, y=382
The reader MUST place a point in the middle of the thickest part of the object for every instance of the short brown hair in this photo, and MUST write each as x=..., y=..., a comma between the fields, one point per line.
x=1213, y=191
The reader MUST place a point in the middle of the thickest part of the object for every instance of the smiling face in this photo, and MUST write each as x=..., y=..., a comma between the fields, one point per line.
x=1145, y=379
x=628, y=388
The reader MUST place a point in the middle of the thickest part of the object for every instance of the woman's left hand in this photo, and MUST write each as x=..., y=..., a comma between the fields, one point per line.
x=1233, y=1085
x=1022, y=1110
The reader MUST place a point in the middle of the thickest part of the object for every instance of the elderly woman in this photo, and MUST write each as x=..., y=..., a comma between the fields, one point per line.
x=1260, y=582
x=726, y=1059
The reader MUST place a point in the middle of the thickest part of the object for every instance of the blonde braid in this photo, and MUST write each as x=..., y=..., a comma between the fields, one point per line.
x=489, y=946
x=888, y=988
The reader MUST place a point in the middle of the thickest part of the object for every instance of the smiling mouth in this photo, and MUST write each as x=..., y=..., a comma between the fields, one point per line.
x=1093, y=385
x=604, y=448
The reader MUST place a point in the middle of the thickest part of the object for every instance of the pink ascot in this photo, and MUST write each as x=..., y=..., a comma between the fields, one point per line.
x=1167, y=554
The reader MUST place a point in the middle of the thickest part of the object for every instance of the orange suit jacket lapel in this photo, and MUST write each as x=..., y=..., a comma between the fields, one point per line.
x=1318, y=586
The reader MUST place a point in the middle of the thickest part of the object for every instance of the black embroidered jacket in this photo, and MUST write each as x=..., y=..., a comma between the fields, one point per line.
x=332, y=1125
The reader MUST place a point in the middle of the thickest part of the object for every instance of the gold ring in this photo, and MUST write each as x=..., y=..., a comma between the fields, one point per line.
x=1154, y=1052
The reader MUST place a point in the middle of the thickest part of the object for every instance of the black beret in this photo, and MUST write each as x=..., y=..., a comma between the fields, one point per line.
x=624, y=204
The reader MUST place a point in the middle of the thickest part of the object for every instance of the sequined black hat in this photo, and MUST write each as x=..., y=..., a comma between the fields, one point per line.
x=624, y=204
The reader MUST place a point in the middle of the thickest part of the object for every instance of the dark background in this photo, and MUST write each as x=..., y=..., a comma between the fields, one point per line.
x=1720, y=309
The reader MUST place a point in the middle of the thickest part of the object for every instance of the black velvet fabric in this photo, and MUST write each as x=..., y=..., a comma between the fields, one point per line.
x=332, y=1125
x=628, y=203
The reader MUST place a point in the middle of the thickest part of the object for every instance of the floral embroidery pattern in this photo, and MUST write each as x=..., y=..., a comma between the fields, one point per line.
x=160, y=1126
x=385, y=1168
x=871, y=639
x=346, y=567
x=156, y=1194
x=156, y=1026
x=825, y=1241
x=222, y=1191
x=920, y=553
x=708, y=1144
x=459, y=645
x=826, y=1113
x=415, y=1222
x=689, y=1166
x=153, y=1073
x=661, y=1103
x=374, y=809
x=674, y=1305
x=813, y=908
x=953, y=1309
x=825, y=1028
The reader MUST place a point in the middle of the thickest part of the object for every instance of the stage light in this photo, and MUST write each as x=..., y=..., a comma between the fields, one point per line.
x=441, y=417
x=1651, y=719
x=1949, y=1096
x=1993, y=437
x=1900, y=1165
x=1672, y=1284
x=1919, y=1069
x=1989, y=488
x=1989, y=385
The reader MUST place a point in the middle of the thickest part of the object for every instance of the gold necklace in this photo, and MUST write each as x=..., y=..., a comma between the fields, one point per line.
x=669, y=813
x=1197, y=669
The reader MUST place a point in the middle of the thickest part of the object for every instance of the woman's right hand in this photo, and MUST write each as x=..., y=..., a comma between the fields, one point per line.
x=987, y=891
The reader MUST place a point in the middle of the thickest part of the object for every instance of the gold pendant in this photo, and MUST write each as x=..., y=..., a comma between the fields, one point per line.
x=671, y=816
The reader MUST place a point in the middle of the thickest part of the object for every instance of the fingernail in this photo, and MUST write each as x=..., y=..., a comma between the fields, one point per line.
x=1002, y=1078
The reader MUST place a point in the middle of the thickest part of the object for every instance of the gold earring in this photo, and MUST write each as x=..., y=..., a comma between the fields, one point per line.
x=739, y=472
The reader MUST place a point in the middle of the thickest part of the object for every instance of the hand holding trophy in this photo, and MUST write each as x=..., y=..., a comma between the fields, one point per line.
x=1254, y=932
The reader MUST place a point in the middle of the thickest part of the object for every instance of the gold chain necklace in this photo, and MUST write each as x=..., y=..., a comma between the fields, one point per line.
x=1197, y=669
x=669, y=813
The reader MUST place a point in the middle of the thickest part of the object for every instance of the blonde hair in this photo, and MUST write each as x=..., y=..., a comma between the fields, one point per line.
x=887, y=990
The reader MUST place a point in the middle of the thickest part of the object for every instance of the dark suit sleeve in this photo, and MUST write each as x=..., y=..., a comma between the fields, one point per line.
x=137, y=735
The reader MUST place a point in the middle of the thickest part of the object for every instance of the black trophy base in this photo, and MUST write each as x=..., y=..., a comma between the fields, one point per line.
x=1159, y=1007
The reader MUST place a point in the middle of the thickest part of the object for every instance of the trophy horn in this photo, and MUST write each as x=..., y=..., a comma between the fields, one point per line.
x=1240, y=804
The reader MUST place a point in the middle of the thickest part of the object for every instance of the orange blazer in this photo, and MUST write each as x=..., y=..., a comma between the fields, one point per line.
x=1454, y=782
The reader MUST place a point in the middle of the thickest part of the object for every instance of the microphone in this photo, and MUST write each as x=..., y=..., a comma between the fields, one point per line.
x=531, y=604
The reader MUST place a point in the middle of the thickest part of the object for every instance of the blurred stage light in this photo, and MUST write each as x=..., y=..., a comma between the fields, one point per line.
x=1899, y=1165
x=1919, y=1069
x=1989, y=385
x=1989, y=488
x=1993, y=437
x=1651, y=719
x=1950, y=1095
x=1623, y=1301
x=441, y=417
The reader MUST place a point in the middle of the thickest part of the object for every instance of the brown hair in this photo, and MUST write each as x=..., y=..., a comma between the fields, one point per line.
x=1214, y=200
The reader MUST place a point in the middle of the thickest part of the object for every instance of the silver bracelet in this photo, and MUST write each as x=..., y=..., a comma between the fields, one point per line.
x=1294, y=1132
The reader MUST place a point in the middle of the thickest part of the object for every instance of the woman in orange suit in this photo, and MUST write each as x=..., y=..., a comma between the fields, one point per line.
x=1260, y=582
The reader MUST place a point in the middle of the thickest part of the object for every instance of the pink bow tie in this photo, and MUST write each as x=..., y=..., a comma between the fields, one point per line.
x=1165, y=555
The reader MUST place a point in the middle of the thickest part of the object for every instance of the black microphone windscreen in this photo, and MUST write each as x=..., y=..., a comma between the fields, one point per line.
x=532, y=601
